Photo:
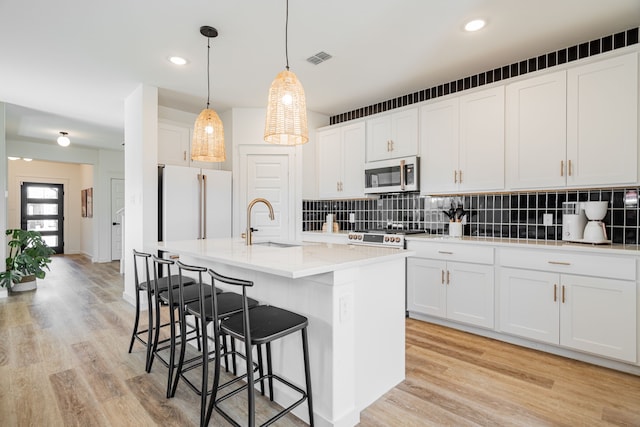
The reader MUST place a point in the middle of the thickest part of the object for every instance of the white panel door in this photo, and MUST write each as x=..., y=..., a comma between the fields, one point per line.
x=268, y=177
x=330, y=160
x=470, y=293
x=117, y=206
x=599, y=316
x=180, y=203
x=426, y=288
x=529, y=304
x=353, y=141
x=218, y=204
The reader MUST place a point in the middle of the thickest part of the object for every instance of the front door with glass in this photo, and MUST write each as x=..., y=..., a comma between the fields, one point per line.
x=42, y=210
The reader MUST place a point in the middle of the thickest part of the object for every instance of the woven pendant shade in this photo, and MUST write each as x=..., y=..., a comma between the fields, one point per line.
x=208, y=138
x=286, y=122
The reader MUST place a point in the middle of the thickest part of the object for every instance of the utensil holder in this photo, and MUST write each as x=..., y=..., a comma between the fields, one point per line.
x=455, y=229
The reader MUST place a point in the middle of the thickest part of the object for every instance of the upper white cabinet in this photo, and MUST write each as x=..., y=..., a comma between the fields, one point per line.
x=173, y=144
x=536, y=132
x=574, y=128
x=341, y=161
x=393, y=135
x=462, y=143
x=602, y=122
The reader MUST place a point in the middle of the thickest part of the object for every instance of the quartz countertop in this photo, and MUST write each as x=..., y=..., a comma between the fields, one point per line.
x=530, y=243
x=302, y=260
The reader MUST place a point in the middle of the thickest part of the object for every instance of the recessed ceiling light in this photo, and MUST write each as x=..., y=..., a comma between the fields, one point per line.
x=475, y=25
x=177, y=60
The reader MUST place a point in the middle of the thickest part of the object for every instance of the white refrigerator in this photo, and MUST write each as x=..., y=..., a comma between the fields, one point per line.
x=194, y=203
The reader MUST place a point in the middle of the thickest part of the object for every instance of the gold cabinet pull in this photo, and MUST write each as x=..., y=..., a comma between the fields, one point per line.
x=555, y=292
x=442, y=277
x=184, y=155
x=447, y=277
x=391, y=145
x=445, y=252
x=559, y=262
x=561, y=167
x=455, y=176
x=563, y=299
x=569, y=173
x=460, y=177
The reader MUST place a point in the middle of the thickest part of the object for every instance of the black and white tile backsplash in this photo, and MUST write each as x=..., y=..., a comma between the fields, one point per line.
x=511, y=215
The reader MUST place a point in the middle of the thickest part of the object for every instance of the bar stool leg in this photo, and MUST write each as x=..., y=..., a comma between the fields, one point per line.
x=307, y=373
x=135, y=321
x=150, y=332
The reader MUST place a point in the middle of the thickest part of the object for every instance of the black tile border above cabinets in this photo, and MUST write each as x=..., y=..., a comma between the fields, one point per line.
x=552, y=59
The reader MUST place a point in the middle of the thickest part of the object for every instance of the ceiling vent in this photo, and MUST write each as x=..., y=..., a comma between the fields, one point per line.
x=318, y=58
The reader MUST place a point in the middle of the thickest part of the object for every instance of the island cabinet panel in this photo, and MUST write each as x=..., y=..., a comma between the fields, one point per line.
x=462, y=143
x=602, y=122
x=536, y=132
x=392, y=135
x=341, y=161
x=590, y=311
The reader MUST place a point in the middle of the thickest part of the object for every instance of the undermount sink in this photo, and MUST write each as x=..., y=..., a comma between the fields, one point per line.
x=277, y=244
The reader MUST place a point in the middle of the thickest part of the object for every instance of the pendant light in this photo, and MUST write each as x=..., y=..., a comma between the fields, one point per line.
x=63, y=139
x=208, y=134
x=286, y=122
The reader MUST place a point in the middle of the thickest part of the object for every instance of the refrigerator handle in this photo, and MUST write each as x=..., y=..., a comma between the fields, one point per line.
x=203, y=219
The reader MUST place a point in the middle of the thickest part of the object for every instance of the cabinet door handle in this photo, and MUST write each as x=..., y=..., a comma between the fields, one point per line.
x=561, y=167
x=388, y=145
x=448, y=277
x=184, y=155
x=391, y=145
x=555, y=292
x=563, y=299
x=559, y=262
x=455, y=176
x=337, y=185
x=569, y=173
x=442, y=277
x=460, y=177
x=445, y=252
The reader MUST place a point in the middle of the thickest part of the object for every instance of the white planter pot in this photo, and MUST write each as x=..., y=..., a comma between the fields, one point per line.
x=27, y=285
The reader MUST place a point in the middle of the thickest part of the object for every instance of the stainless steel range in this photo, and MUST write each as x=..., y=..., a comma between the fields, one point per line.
x=393, y=238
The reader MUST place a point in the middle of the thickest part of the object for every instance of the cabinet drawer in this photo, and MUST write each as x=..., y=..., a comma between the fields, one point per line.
x=452, y=252
x=615, y=267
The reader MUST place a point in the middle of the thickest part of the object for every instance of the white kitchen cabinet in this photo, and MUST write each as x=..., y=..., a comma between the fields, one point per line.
x=576, y=127
x=341, y=161
x=173, y=144
x=536, y=132
x=602, y=122
x=556, y=306
x=392, y=135
x=462, y=143
x=459, y=291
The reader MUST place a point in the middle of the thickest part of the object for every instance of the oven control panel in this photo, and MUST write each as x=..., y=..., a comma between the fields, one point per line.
x=377, y=239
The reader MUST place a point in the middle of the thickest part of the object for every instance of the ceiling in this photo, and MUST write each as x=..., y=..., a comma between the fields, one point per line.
x=68, y=65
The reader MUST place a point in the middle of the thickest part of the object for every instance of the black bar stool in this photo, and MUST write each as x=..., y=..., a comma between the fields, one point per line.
x=206, y=311
x=146, y=285
x=170, y=297
x=256, y=326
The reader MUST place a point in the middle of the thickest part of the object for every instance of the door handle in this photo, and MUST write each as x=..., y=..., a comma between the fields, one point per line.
x=116, y=223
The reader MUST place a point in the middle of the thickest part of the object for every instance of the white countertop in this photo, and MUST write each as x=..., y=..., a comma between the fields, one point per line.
x=308, y=259
x=529, y=243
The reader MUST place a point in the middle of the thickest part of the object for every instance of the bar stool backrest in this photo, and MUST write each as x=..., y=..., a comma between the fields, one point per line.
x=202, y=299
x=161, y=261
x=139, y=257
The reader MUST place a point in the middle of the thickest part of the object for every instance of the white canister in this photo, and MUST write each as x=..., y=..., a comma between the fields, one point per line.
x=329, y=223
x=455, y=229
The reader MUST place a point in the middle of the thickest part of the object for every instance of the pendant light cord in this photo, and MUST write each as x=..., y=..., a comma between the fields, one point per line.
x=208, y=73
x=286, y=35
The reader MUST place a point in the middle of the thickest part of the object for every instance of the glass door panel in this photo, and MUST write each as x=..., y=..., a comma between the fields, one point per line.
x=42, y=211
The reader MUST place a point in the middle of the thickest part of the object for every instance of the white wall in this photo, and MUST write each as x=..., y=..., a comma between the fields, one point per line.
x=3, y=180
x=69, y=175
x=86, y=224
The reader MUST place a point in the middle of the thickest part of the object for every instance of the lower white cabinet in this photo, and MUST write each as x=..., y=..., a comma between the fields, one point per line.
x=592, y=314
x=452, y=290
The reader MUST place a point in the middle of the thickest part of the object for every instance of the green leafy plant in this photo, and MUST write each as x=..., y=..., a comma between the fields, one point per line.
x=28, y=255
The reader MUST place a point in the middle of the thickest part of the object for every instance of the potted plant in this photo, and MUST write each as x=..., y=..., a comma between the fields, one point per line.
x=28, y=258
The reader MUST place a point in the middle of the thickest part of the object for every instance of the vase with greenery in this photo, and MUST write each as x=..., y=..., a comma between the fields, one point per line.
x=28, y=255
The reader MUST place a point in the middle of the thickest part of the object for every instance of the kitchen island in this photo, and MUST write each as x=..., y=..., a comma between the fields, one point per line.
x=354, y=298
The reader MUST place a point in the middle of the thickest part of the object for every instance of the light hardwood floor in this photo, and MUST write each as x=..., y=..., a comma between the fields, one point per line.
x=64, y=361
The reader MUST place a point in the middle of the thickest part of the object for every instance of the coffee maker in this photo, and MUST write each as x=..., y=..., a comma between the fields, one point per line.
x=573, y=221
x=595, y=230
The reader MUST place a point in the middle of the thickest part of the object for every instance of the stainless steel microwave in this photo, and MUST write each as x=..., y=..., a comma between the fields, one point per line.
x=392, y=176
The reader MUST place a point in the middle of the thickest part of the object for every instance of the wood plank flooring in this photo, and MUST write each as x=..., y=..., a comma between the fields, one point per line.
x=64, y=362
